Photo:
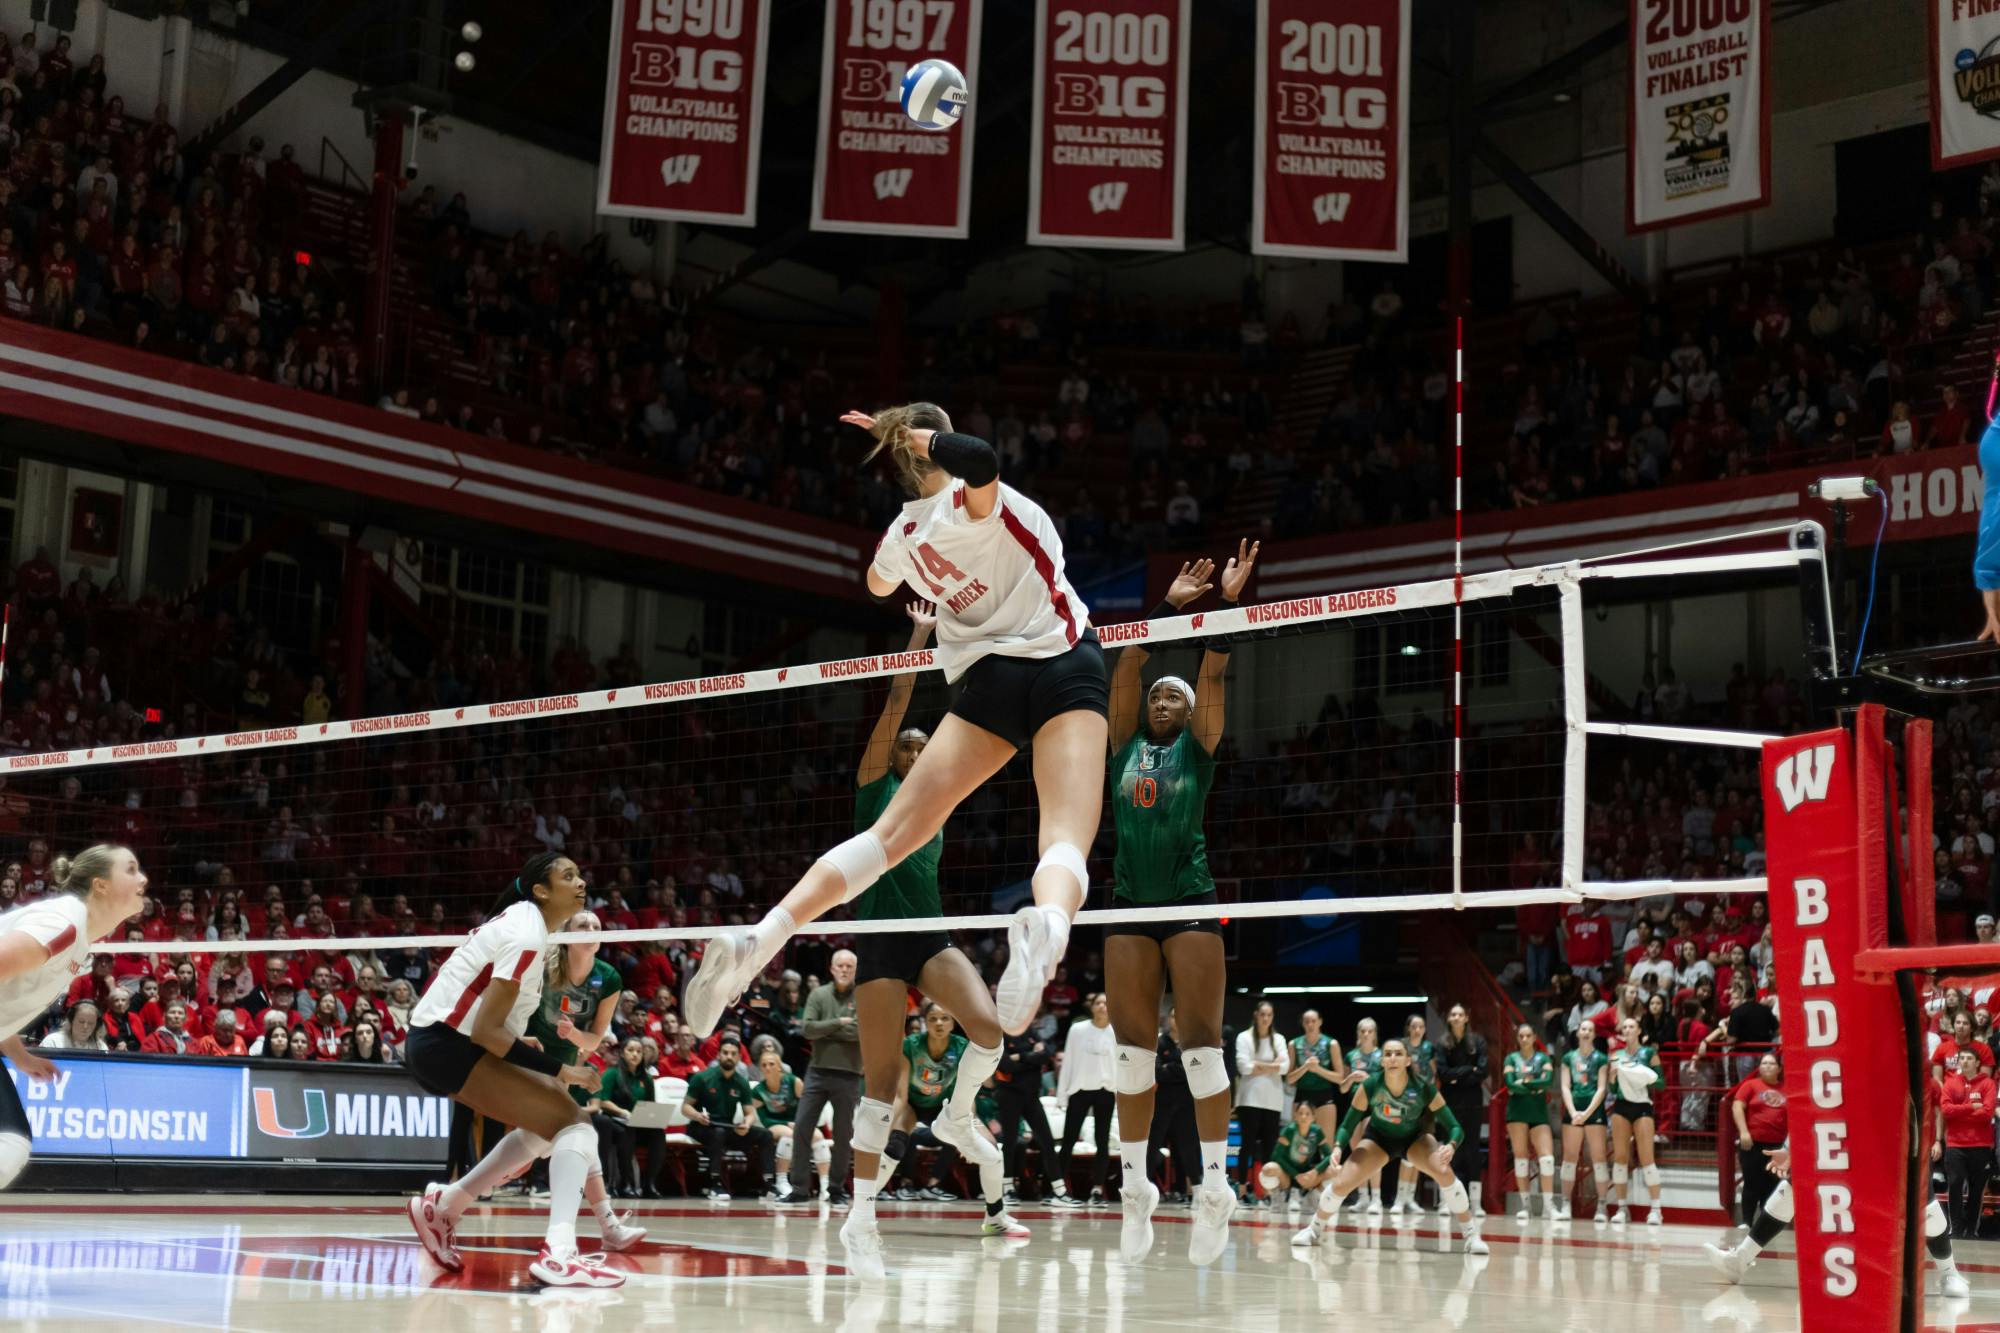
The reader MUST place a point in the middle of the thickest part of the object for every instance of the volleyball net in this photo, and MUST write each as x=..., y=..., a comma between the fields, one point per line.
x=1350, y=781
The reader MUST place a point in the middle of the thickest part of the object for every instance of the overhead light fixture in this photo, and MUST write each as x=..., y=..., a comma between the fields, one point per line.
x=1399, y=999
x=1411, y=650
x=1317, y=990
x=1561, y=98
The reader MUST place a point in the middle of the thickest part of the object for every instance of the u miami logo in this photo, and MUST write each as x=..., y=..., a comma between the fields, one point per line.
x=317, y=1122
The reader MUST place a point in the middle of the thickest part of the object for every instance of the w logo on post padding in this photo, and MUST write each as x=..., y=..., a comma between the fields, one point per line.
x=1108, y=196
x=893, y=183
x=317, y=1121
x=1804, y=776
x=680, y=170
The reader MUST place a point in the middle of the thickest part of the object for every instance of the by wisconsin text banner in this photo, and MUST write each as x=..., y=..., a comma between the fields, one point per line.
x=683, y=110
x=1109, y=147
x=1698, y=110
x=1331, y=179
x=875, y=170
x=1965, y=81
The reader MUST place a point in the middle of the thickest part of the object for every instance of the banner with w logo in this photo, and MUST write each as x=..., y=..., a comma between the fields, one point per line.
x=1331, y=176
x=684, y=110
x=1108, y=151
x=874, y=169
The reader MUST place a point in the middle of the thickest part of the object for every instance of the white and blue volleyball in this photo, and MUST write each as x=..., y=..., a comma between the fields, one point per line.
x=934, y=94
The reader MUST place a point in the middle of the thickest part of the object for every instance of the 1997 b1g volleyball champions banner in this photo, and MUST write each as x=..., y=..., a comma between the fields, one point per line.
x=1331, y=179
x=683, y=110
x=875, y=170
x=1965, y=81
x=1698, y=110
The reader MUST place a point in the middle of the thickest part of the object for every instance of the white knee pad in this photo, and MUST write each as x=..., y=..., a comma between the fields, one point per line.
x=578, y=1139
x=1455, y=1198
x=860, y=861
x=784, y=1147
x=1935, y=1224
x=1207, y=1074
x=1521, y=1168
x=1651, y=1175
x=1568, y=1174
x=871, y=1125
x=1779, y=1205
x=1132, y=1071
x=1600, y=1174
x=1547, y=1166
x=1070, y=859
x=1620, y=1174
x=14, y=1149
x=822, y=1152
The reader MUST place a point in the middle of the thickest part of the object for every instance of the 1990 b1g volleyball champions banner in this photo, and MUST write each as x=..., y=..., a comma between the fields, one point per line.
x=1965, y=81
x=1698, y=110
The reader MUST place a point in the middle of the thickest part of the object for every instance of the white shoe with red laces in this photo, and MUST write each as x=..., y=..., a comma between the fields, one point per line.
x=435, y=1230
x=573, y=1270
x=619, y=1234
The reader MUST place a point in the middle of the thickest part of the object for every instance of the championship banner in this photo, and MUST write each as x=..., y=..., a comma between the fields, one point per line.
x=875, y=170
x=1697, y=110
x=1965, y=82
x=1108, y=163
x=684, y=110
x=1331, y=179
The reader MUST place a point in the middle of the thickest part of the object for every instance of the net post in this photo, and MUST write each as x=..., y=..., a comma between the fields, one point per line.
x=1576, y=709
x=1458, y=616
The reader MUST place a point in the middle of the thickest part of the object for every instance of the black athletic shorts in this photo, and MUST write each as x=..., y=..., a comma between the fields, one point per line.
x=896, y=957
x=1319, y=1097
x=440, y=1058
x=1164, y=930
x=1398, y=1149
x=1013, y=696
x=1631, y=1111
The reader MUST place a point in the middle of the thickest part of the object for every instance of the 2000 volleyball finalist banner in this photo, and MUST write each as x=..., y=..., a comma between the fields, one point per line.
x=1965, y=81
x=875, y=170
x=1697, y=110
x=684, y=110
x=1333, y=130
x=1109, y=157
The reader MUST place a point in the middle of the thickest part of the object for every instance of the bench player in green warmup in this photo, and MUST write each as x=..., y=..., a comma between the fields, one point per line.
x=1529, y=1073
x=1301, y=1158
x=1400, y=1117
x=931, y=1061
x=1163, y=766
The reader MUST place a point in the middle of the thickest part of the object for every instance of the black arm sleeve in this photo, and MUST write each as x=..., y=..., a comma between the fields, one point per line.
x=966, y=457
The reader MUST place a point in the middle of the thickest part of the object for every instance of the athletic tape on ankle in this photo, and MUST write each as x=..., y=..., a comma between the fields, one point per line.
x=1779, y=1204
x=860, y=861
x=1207, y=1073
x=1651, y=1175
x=1133, y=1070
x=871, y=1125
x=1070, y=859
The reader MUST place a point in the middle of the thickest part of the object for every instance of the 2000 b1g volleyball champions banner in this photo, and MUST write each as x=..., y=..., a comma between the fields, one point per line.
x=683, y=110
x=1333, y=129
x=1109, y=147
x=1965, y=81
x=1698, y=110
x=875, y=169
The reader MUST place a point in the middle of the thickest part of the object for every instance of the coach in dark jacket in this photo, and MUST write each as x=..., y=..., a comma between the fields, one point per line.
x=1462, y=1069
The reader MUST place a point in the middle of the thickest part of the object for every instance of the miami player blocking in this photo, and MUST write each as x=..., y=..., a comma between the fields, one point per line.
x=1163, y=767
x=466, y=1043
x=1399, y=1116
x=44, y=947
x=1016, y=640
x=932, y=1072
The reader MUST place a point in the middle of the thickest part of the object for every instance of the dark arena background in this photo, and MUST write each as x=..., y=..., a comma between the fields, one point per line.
x=422, y=453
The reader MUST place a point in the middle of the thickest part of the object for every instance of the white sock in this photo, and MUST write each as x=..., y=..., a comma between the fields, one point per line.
x=993, y=1186
x=1132, y=1156
x=1215, y=1163
x=769, y=936
x=975, y=1065
x=604, y=1212
x=513, y=1154
x=569, y=1166
x=864, y=1198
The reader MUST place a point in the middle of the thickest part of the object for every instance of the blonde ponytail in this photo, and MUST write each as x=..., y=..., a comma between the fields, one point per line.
x=892, y=432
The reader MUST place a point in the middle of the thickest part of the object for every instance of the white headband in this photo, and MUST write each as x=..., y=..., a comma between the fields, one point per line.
x=1179, y=686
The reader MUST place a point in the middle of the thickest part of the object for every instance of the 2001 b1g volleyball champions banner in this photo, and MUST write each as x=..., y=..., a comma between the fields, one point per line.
x=1108, y=164
x=875, y=170
x=1965, y=81
x=1698, y=110
x=683, y=110
x=1333, y=130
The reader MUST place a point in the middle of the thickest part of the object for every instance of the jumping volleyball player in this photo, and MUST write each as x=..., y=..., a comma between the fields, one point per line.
x=1402, y=1116
x=1164, y=767
x=466, y=1043
x=43, y=948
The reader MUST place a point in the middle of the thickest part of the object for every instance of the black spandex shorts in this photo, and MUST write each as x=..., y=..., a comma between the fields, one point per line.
x=1319, y=1097
x=1164, y=930
x=1013, y=696
x=1631, y=1111
x=1398, y=1149
x=896, y=957
x=440, y=1058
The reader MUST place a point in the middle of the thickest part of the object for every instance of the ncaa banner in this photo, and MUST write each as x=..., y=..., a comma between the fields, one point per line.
x=1965, y=81
x=1108, y=167
x=1333, y=130
x=684, y=110
x=1697, y=110
x=875, y=169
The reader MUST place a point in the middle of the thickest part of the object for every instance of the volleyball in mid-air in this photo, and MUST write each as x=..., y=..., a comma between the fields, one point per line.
x=934, y=94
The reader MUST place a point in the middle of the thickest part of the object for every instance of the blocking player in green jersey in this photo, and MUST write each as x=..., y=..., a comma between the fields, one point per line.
x=1399, y=1118
x=1529, y=1072
x=933, y=1060
x=1423, y=1067
x=1586, y=1090
x=1162, y=767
